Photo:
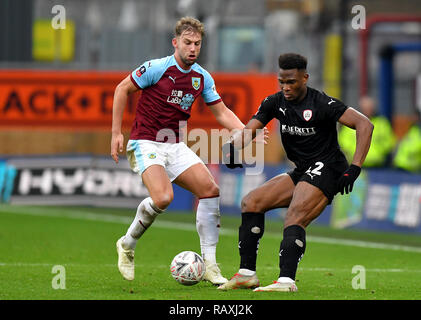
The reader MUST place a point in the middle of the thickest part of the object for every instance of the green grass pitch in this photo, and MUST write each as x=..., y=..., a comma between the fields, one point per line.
x=34, y=239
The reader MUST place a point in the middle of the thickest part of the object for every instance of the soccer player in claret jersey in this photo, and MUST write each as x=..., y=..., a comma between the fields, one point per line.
x=308, y=120
x=155, y=151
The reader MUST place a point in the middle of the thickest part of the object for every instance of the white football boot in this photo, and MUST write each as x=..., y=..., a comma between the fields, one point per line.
x=125, y=261
x=213, y=274
x=283, y=284
x=241, y=281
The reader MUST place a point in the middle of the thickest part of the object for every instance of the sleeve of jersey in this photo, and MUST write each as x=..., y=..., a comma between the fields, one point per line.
x=147, y=74
x=265, y=112
x=333, y=108
x=209, y=93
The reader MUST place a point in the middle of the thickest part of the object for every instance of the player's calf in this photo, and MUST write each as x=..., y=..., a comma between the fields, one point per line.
x=250, y=232
x=146, y=213
x=291, y=250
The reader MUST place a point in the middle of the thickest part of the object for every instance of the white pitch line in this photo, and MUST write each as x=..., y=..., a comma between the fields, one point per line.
x=364, y=244
x=105, y=217
x=392, y=270
x=45, y=264
x=140, y=266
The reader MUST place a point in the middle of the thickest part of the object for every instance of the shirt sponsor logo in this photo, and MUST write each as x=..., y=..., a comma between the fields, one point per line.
x=175, y=97
x=293, y=130
x=177, y=93
x=187, y=101
x=195, y=83
x=307, y=114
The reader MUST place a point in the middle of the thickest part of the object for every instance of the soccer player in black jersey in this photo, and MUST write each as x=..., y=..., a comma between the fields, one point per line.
x=308, y=120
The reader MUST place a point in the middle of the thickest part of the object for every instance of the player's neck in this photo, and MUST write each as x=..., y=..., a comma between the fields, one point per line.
x=301, y=97
x=180, y=63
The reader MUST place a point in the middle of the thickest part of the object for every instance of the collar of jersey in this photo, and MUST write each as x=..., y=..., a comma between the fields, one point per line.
x=180, y=68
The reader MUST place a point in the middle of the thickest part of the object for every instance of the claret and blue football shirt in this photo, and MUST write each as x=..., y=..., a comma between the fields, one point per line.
x=168, y=92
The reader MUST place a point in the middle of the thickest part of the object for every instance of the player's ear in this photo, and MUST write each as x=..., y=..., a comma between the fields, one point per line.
x=305, y=77
x=174, y=42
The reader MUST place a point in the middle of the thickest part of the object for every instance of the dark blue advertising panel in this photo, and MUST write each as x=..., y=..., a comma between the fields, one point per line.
x=387, y=200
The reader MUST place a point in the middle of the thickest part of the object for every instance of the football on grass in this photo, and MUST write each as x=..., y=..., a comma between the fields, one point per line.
x=188, y=268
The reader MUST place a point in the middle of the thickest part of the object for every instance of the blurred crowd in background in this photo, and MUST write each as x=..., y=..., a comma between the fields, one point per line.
x=243, y=36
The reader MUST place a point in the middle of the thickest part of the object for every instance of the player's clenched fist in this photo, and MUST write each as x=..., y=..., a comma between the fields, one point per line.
x=117, y=141
x=346, y=181
x=230, y=156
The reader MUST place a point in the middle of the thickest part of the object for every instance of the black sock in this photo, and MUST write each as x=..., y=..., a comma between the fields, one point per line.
x=250, y=232
x=292, y=250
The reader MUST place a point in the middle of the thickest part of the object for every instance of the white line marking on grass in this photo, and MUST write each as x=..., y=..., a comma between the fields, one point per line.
x=22, y=264
x=363, y=244
x=105, y=217
x=84, y=265
x=44, y=264
x=142, y=266
x=318, y=269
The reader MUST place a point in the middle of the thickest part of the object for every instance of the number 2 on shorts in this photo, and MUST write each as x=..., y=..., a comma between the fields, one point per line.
x=316, y=170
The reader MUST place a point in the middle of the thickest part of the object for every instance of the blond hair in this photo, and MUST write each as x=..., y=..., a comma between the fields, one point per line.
x=189, y=24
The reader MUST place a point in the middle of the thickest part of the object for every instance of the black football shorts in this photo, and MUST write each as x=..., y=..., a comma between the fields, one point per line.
x=322, y=175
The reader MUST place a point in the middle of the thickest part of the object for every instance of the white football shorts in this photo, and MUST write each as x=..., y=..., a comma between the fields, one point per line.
x=174, y=157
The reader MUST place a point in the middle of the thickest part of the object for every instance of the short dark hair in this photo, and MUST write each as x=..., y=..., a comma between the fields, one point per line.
x=289, y=61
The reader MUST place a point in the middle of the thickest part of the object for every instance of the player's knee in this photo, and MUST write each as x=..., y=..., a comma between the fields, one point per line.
x=214, y=190
x=163, y=200
x=211, y=190
x=251, y=204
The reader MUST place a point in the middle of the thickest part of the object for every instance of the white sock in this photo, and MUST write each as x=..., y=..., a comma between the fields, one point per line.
x=207, y=225
x=145, y=216
x=285, y=279
x=247, y=272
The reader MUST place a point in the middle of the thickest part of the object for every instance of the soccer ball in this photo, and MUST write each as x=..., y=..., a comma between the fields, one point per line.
x=188, y=268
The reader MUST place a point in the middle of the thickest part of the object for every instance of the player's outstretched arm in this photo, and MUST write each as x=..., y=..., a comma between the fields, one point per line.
x=364, y=129
x=242, y=138
x=123, y=89
x=225, y=116
x=239, y=140
x=229, y=120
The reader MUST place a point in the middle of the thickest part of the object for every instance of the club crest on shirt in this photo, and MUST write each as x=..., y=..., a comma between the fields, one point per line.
x=307, y=114
x=195, y=81
x=152, y=155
